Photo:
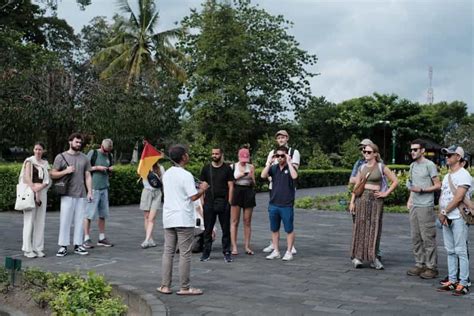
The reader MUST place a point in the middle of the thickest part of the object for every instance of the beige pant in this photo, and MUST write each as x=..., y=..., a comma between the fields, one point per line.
x=33, y=226
x=423, y=236
x=181, y=237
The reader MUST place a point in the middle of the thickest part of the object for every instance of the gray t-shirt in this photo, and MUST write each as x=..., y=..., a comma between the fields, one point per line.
x=421, y=175
x=77, y=183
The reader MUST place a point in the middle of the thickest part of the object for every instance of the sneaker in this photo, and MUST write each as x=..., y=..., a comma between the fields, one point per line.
x=105, y=242
x=145, y=244
x=461, y=290
x=356, y=263
x=205, y=257
x=377, y=264
x=448, y=286
x=446, y=280
x=288, y=256
x=429, y=273
x=61, y=252
x=416, y=271
x=40, y=254
x=228, y=258
x=30, y=254
x=269, y=248
x=274, y=255
x=293, y=250
x=79, y=250
x=88, y=244
x=151, y=243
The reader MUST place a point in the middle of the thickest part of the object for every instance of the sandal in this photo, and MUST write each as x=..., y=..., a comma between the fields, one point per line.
x=249, y=252
x=164, y=290
x=236, y=253
x=190, y=291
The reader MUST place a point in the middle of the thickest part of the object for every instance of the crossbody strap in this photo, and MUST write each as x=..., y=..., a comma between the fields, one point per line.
x=64, y=158
x=466, y=201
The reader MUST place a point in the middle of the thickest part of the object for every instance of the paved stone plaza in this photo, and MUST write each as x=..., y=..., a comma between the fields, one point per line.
x=319, y=281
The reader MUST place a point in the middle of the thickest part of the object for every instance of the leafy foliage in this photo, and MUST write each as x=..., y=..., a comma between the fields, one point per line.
x=319, y=160
x=350, y=152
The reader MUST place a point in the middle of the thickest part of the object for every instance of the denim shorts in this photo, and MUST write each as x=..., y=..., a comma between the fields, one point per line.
x=278, y=214
x=99, y=205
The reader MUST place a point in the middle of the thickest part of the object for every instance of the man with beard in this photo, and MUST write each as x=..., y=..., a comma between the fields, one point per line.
x=75, y=165
x=217, y=203
x=422, y=182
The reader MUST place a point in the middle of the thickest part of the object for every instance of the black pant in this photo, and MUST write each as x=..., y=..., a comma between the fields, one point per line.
x=210, y=216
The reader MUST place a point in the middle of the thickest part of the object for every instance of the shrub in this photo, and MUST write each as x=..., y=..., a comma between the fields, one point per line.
x=350, y=152
x=319, y=160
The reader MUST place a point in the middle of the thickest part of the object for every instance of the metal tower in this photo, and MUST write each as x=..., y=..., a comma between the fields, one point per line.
x=430, y=96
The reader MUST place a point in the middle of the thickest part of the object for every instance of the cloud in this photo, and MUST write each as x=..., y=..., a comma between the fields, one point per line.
x=364, y=46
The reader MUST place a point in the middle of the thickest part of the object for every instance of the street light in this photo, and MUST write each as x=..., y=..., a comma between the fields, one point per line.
x=385, y=123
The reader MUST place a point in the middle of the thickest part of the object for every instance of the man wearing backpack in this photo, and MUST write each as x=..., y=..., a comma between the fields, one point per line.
x=456, y=185
x=282, y=138
x=423, y=181
x=102, y=165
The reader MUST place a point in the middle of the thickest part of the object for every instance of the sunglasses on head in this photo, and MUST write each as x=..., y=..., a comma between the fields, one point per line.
x=279, y=156
x=367, y=152
x=414, y=149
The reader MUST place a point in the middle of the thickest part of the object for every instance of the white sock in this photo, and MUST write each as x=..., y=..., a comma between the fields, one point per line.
x=101, y=236
x=87, y=237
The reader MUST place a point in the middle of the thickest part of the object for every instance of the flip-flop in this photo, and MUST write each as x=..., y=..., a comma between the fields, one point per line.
x=160, y=289
x=190, y=291
x=249, y=252
x=234, y=253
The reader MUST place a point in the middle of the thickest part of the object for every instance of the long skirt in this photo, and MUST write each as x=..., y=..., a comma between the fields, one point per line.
x=367, y=227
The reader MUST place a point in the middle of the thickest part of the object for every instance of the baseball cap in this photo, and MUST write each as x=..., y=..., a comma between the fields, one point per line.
x=244, y=155
x=282, y=132
x=365, y=142
x=453, y=150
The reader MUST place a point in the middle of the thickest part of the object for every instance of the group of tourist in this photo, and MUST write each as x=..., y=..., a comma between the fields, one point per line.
x=227, y=190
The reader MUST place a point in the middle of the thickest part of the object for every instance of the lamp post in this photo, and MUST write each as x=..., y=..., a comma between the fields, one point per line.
x=394, y=143
x=385, y=123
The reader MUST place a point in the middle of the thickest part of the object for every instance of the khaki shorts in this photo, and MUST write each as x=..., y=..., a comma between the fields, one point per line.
x=150, y=200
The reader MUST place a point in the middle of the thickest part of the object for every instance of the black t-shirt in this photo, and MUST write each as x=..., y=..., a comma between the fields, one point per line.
x=283, y=189
x=218, y=186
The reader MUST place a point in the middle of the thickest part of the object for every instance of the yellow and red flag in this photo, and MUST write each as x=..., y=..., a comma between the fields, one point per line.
x=150, y=156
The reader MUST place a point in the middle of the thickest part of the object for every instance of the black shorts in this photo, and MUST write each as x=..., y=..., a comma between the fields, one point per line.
x=244, y=196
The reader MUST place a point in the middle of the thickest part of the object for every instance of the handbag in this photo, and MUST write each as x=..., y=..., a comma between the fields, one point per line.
x=25, y=197
x=60, y=185
x=359, y=189
x=466, y=207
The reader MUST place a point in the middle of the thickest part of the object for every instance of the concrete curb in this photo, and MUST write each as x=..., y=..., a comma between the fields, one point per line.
x=139, y=302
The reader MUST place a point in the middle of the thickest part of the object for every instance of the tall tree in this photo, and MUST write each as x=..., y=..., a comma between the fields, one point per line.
x=136, y=49
x=245, y=71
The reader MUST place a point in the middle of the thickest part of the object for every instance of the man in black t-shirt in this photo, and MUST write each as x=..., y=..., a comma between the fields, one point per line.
x=217, y=202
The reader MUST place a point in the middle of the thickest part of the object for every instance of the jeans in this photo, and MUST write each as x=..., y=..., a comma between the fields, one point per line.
x=99, y=205
x=181, y=238
x=455, y=241
x=210, y=217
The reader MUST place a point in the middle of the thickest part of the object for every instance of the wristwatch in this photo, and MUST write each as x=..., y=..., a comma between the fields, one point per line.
x=443, y=212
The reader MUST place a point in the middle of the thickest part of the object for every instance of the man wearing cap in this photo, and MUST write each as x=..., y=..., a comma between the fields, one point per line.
x=456, y=184
x=281, y=138
x=423, y=181
x=217, y=202
x=360, y=162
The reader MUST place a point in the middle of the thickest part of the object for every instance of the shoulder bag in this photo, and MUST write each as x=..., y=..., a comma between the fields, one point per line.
x=359, y=189
x=466, y=207
x=25, y=197
x=60, y=185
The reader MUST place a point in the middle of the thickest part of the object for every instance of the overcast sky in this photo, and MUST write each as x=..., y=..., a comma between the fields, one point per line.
x=383, y=46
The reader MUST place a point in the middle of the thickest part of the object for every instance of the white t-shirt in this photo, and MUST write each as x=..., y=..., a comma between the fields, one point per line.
x=178, y=208
x=295, y=159
x=460, y=177
x=147, y=185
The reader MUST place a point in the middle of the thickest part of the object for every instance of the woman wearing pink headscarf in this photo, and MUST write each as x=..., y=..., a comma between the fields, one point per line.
x=243, y=197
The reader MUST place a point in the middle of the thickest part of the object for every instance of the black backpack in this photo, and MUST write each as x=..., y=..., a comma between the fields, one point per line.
x=154, y=180
x=94, y=158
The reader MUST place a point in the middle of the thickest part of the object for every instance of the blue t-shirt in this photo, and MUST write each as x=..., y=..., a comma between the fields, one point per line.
x=283, y=190
x=356, y=167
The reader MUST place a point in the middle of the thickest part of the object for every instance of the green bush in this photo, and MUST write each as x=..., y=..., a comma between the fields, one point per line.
x=71, y=294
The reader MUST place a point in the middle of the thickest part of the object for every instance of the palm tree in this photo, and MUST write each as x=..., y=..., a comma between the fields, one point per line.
x=135, y=48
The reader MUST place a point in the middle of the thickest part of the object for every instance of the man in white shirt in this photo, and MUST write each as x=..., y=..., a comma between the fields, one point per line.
x=456, y=184
x=179, y=220
x=282, y=137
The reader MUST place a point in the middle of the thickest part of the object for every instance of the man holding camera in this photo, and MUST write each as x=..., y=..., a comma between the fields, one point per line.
x=101, y=162
x=217, y=202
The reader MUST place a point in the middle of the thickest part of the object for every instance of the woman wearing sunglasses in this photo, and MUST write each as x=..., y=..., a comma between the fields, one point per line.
x=368, y=208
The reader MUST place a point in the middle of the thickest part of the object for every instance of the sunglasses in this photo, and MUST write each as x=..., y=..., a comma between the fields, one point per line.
x=414, y=149
x=279, y=156
x=368, y=152
x=449, y=155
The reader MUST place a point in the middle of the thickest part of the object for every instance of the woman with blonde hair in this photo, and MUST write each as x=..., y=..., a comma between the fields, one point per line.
x=367, y=207
x=35, y=173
